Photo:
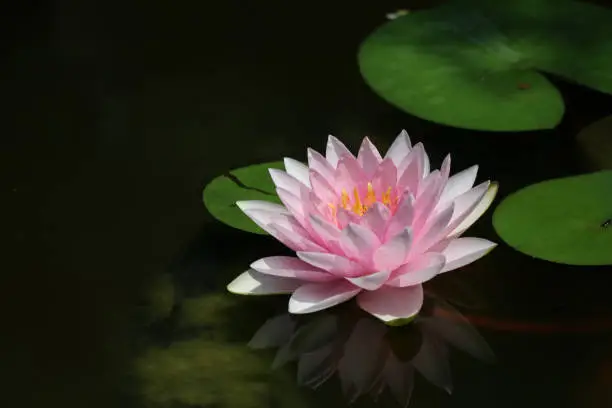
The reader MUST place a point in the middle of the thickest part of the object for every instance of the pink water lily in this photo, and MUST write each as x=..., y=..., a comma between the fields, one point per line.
x=368, y=227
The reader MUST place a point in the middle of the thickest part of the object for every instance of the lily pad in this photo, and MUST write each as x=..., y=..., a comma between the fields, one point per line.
x=595, y=142
x=247, y=183
x=566, y=220
x=475, y=64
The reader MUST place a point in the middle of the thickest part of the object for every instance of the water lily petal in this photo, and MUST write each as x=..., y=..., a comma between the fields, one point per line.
x=368, y=157
x=426, y=164
x=318, y=163
x=417, y=271
x=390, y=303
x=324, y=229
x=358, y=242
x=345, y=217
x=385, y=177
x=400, y=148
x=322, y=189
x=293, y=204
x=477, y=212
x=252, y=282
x=427, y=198
x=376, y=219
x=466, y=203
x=462, y=251
x=283, y=180
x=260, y=205
x=263, y=217
x=290, y=267
x=313, y=297
x=349, y=175
x=298, y=170
x=293, y=235
x=434, y=230
x=410, y=171
x=394, y=252
x=332, y=263
x=335, y=151
x=459, y=183
x=403, y=217
x=372, y=281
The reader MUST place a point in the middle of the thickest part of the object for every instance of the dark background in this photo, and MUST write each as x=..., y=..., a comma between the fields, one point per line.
x=117, y=113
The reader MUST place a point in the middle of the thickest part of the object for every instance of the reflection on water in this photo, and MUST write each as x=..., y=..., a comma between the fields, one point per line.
x=369, y=356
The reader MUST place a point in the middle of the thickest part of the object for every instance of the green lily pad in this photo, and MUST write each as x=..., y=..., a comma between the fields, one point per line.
x=247, y=183
x=475, y=64
x=595, y=142
x=566, y=220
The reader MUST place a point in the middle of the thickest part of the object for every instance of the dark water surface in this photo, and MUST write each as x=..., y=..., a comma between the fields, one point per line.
x=116, y=115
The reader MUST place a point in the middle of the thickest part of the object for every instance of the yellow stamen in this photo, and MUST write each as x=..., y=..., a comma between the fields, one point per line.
x=357, y=207
x=386, y=198
x=334, y=211
x=371, y=196
x=345, y=199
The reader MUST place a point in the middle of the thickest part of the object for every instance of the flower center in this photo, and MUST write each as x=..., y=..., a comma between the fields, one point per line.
x=360, y=205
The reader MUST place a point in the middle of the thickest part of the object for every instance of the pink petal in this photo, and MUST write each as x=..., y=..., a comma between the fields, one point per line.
x=254, y=283
x=390, y=303
x=345, y=217
x=368, y=157
x=459, y=183
x=427, y=199
x=385, y=177
x=262, y=213
x=466, y=203
x=293, y=204
x=445, y=171
x=348, y=176
x=434, y=230
x=462, y=251
x=403, y=217
x=394, y=252
x=328, y=234
x=332, y=263
x=418, y=271
x=426, y=164
x=335, y=151
x=322, y=189
x=324, y=229
x=358, y=242
x=313, y=297
x=372, y=281
x=319, y=164
x=400, y=148
x=477, y=212
x=283, y=180
x=314, y=205
x=290, y=233
x=290, y=267
x=298, y=170
x=410, y=171
x=260, y=205
x=376, y=219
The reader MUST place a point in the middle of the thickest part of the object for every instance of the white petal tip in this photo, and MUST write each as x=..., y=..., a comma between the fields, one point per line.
x=400, y=322
x=242, y=205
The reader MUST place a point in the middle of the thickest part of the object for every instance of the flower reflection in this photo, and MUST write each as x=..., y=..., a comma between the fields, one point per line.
x=368, y=355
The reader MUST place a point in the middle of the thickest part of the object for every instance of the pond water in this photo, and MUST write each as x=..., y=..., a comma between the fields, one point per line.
x=118, y=114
